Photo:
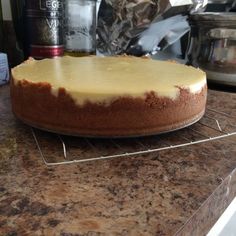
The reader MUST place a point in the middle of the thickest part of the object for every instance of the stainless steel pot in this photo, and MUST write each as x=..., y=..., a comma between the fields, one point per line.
x=213, y=46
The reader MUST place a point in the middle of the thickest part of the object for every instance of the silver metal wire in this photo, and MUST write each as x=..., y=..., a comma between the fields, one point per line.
x=63, y=146
x=219, y=133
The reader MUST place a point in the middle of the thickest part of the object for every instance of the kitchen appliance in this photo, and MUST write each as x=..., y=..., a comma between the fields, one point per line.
x=213, y=46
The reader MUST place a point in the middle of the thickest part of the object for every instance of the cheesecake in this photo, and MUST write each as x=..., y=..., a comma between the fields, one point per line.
x=107, y=96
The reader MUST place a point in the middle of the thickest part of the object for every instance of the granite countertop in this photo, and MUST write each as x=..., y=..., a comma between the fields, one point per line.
x=174, y=192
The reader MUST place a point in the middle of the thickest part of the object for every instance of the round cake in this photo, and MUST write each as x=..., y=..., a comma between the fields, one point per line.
x=107, y=96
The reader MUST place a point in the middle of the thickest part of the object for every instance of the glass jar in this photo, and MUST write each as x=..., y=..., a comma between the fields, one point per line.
x=213, y=45
x=80, y=27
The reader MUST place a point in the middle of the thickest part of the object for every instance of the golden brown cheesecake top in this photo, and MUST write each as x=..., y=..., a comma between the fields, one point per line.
x=103, y=79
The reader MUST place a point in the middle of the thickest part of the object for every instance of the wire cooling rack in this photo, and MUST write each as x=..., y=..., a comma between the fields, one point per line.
x=61, y=150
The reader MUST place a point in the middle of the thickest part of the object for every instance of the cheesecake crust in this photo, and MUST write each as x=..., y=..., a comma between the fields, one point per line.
x=35, y=104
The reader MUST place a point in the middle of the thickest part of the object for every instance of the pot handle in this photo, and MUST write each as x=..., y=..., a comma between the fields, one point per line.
x=222, y=33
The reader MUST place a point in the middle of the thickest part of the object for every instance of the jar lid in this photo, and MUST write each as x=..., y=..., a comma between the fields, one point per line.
x=214, y=16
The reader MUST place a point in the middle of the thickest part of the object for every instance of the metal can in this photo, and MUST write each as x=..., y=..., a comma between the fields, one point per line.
x=45, y=28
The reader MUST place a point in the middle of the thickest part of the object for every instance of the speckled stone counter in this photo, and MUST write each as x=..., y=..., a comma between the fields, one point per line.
x=175, y=192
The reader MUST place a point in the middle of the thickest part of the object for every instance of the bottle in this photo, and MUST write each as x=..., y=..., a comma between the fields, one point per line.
x=80, y=27
x=44, y=24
